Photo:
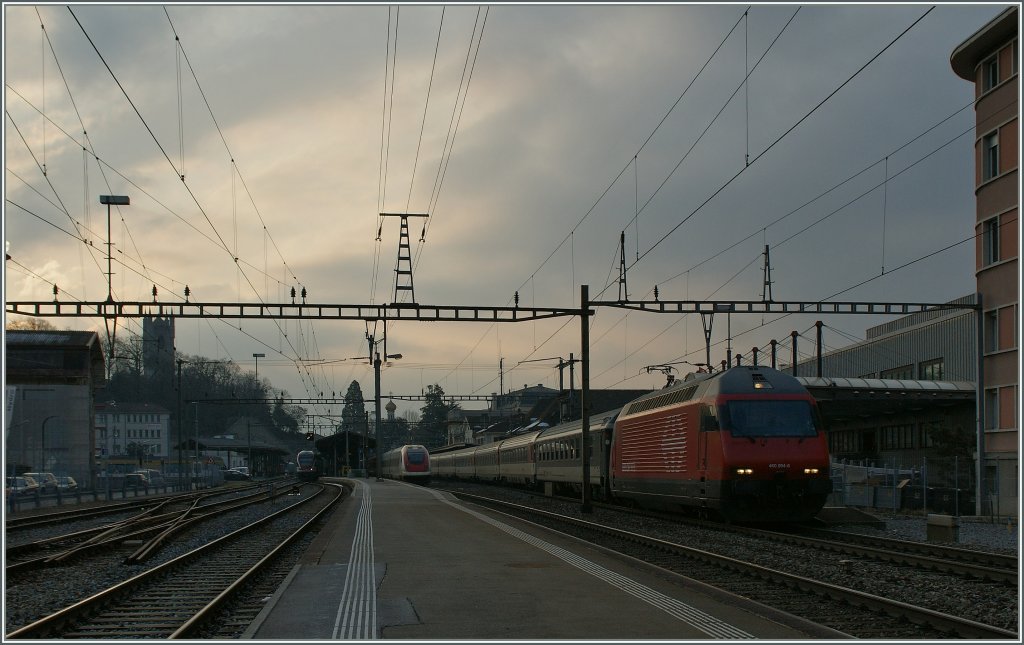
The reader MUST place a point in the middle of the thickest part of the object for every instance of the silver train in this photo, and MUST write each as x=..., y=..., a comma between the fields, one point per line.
x=408, y=463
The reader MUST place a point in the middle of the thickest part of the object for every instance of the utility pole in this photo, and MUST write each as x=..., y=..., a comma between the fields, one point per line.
x=586, y=506
x=623, y=290
x=181, y=464
x=376, y=407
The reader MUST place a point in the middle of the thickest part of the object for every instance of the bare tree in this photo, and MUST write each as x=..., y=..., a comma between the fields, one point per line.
x=29, y=324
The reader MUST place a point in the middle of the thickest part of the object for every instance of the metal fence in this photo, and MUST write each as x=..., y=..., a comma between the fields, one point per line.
x=928, y=485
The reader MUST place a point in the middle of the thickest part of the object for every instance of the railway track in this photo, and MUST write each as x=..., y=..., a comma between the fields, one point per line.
x=858, y=612
x=177, y=599
x=14, y=525
x=982, y=565
x=152, y=528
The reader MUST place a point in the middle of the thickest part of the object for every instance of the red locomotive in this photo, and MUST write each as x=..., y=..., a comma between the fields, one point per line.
x=746, y=444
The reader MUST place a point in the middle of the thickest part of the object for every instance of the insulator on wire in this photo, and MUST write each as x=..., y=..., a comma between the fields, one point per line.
x=55, y=290
x=187, y=292
x=517, y=298
x=154, y=293
x=655, y=293
x=303, y=295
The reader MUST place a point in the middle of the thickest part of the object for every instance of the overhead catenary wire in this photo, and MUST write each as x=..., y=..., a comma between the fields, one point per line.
x=426, y=105
x=221, y=243
x=770, y=146
x=835, y=187
x=570, y=235
x=646, y=232
x=227, y=148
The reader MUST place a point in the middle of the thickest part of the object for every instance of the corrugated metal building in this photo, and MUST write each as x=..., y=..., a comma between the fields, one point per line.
x=928, y=346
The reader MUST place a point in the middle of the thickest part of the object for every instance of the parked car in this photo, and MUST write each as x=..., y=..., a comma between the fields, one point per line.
x=154, y=477
x=66, y=483
x=21, y=485
x=232, y=475
x=136, y=480
x=47, y=482
x=242, y=469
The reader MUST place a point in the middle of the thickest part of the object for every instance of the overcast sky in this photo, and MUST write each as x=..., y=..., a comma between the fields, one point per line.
x=306, y=123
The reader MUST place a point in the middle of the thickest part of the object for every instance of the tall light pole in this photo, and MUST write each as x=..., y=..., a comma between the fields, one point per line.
x=258, y=357
x=116, y=200
x=181, y=464
x=376, y=403
x=42, y=456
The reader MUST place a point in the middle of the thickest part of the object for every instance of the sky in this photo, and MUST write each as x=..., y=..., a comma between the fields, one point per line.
x=532, y=135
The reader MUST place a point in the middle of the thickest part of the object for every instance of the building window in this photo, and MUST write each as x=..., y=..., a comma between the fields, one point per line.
x=932, y=370
x=989, y=156
x=843, y=442
x=899, y=437
x=904, y=372
x=991, y=409
x=990, y=242
x=990, y=74
x=992, y=330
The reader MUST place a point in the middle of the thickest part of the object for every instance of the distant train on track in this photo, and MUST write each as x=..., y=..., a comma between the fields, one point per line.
x=307, y=466
x=409, y=463
x=746, y=444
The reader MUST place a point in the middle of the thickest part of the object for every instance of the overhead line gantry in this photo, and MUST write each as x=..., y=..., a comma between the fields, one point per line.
x=448, y=313
x=454, y=313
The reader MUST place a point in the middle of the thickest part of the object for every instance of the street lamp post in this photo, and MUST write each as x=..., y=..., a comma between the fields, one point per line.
x=42, y=455
x=115, y=200
x=181, y=463
x=376, y=405
x=196, y=403
x=258, y=356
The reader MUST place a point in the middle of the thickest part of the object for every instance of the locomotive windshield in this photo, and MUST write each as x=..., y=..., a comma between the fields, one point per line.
x=769, y=418
x=416, y=456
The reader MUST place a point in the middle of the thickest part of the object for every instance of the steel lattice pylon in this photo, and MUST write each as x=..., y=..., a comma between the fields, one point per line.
x=403, y=267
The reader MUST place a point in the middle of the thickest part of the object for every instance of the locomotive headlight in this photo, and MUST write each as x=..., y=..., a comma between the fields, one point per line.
x=744, y=471
x=810, y=471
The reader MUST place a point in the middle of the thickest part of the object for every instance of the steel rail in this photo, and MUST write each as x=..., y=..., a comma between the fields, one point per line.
x=52, y=625
x=192, y=625
x=952, y=553
x=962, y=627
x=934, y=558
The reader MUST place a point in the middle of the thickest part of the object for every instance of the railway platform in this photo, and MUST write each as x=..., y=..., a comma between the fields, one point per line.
x=404, y=562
